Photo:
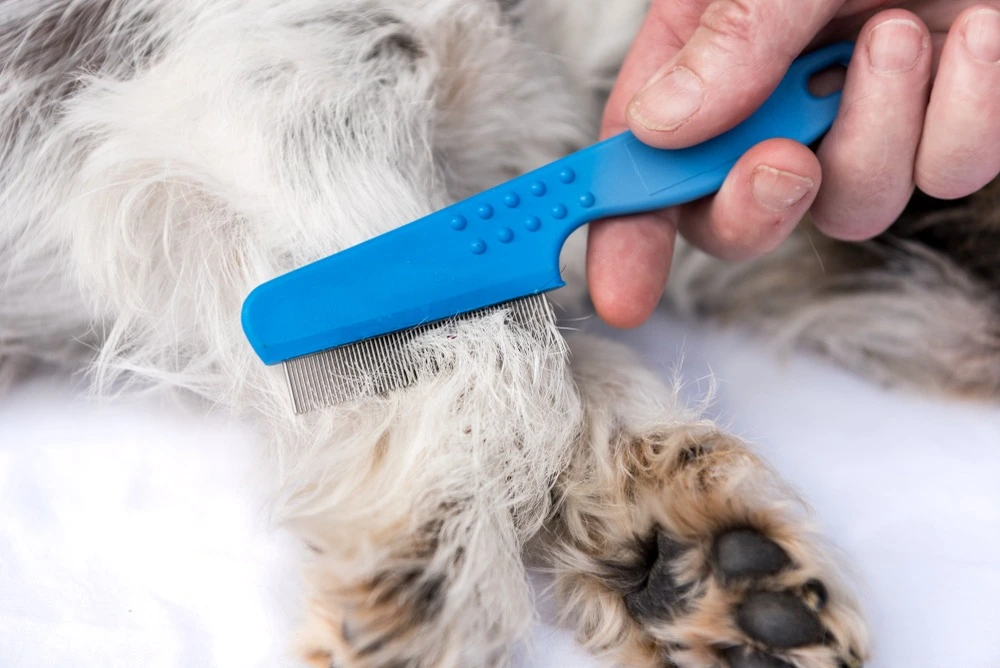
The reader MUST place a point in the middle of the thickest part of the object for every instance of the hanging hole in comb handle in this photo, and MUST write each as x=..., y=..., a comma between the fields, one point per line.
x=828, y=81
x=826, y=69
x=823, y=73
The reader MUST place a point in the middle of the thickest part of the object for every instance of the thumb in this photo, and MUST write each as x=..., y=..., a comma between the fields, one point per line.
x=733, y=60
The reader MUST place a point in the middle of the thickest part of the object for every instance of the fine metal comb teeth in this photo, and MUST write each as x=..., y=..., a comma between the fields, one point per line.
x=390, y=362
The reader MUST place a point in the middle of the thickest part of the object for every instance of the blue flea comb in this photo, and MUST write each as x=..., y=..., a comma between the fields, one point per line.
x=341, y=325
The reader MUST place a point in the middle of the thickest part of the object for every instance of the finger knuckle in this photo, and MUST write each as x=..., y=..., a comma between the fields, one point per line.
x=732, y=23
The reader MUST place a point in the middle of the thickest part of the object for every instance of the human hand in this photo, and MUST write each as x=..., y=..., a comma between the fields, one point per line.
x=920, y=107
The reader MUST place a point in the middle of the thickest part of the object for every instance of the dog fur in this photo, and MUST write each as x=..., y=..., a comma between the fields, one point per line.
x=160, y=159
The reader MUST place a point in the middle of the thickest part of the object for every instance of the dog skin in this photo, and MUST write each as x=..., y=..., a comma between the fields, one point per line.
x=159, y=159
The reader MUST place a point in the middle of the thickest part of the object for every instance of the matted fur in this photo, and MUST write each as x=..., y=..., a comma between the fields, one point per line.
x=159, y=159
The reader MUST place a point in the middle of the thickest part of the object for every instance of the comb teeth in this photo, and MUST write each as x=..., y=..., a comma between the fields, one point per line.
x=385, y=363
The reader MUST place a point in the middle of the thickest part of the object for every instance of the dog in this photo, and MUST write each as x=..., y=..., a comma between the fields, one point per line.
x=160, y=159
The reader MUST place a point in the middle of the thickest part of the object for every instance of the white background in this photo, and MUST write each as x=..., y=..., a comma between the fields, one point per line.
x=131, y=536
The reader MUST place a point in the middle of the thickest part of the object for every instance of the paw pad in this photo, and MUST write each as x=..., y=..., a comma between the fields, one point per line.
x=660, y=596
x=742, y=562
x=744, y=553
x=779, y=619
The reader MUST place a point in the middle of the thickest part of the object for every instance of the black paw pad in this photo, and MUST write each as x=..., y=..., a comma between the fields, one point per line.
x=741, y=657
x=745, y=553
x=779, y=619
x=660, y=595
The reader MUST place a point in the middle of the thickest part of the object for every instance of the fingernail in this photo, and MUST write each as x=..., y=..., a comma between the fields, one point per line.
x=982, y=35
x=895, y=46
x=779, y=190
x=667, y=103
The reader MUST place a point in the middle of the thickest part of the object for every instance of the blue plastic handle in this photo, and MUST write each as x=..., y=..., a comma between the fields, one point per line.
x=504, y=243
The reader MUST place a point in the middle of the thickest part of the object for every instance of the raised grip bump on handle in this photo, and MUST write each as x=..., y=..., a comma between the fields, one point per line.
x=504, y=243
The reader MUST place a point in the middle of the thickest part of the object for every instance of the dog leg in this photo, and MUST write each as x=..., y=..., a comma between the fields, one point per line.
x=418, y=505
x=673, y=544
x=257, y=141
x=446, y=589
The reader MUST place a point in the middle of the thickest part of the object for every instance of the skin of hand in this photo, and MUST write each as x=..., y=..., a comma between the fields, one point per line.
x=920, y=108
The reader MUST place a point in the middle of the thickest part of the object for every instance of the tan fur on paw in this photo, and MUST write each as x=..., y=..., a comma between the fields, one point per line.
x=701, y=562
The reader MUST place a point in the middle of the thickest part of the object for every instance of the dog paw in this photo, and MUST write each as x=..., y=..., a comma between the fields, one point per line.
x=691, y=553
x=739, y=600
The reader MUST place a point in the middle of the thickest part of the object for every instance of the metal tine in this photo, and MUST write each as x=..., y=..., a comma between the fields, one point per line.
x=386, y=363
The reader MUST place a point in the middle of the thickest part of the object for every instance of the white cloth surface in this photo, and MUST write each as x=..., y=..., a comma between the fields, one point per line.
x=131, y=537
